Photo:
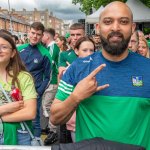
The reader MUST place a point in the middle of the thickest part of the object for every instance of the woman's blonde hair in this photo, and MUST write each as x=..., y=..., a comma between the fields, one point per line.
x=145, y=41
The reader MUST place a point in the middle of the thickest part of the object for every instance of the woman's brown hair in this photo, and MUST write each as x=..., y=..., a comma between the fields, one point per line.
x=15, y=64
x=83, y=39
x=64, y=46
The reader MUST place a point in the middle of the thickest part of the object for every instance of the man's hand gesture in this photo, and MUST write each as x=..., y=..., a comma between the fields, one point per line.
x=88, y=86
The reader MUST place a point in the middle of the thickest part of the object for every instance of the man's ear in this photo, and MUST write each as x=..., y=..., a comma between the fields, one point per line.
x=98, y=26
x=133, y=27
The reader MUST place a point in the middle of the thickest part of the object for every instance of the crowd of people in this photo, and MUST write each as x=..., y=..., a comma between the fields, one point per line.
x=81, y=86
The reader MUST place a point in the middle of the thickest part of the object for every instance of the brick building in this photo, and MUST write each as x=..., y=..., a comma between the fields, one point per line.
x=48, y=19
x=13, y=22
x=19, y=21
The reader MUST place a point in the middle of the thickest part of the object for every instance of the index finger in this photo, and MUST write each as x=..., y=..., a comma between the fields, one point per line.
x=94, y=72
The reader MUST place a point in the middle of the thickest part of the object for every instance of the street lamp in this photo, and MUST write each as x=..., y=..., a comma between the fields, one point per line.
x=11, y=29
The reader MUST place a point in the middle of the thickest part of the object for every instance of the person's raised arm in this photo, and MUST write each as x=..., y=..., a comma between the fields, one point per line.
x=61, y=111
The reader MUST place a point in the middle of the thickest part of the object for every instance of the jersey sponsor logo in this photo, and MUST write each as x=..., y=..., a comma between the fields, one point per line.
x=53, y=62
x=137, y=81
x=69, y=53
x=87, y=61
x=36, y=61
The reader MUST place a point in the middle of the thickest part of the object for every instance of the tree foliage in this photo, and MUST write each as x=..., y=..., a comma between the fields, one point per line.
x=87, y=5
x=146, y=2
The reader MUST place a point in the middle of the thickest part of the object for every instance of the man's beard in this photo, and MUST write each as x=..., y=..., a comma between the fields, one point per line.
x=115, y=48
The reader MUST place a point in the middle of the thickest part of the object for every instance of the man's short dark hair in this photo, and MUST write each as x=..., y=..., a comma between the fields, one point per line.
x=51, y=31
x=37, y=26
x=77, y=26
x=96, y=35
x=15, y=37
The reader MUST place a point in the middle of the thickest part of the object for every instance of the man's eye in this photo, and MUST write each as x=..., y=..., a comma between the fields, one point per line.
x=107, y=21
x=84, y=50
x=124, y=21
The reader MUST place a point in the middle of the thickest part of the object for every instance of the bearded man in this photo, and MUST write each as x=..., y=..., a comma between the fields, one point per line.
x=110, y=90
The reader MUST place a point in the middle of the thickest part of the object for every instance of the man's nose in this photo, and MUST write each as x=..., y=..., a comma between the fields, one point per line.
x=75, y=37
x=116, y=26
x=35, y=35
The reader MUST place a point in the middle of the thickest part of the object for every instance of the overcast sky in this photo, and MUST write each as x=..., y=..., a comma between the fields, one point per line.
x=63, y=9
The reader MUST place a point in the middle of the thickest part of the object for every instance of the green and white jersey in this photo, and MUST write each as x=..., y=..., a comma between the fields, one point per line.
x=66, y=56
x=120, y=112
x=54, y=52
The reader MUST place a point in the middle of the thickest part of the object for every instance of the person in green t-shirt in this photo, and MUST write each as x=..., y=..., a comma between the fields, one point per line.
x=77, y=30
x=14, y=75
x=49, y=94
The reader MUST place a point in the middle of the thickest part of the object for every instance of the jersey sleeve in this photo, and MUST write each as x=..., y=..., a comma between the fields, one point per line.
x=21, y=47
x=67, y=84
x=27, y=86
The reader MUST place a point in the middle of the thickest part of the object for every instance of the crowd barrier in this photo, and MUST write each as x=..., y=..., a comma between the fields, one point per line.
x=10, y=147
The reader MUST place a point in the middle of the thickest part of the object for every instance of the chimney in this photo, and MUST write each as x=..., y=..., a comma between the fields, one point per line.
x=13, y=10
x=24, y=9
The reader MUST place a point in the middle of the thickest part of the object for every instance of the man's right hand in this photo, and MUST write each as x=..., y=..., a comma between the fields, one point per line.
x=61, y=111
x=88, y=86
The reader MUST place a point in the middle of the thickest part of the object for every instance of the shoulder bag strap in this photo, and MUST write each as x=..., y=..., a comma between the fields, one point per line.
x=9, y=100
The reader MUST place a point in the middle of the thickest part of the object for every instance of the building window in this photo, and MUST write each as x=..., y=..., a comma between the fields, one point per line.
x=42, y=17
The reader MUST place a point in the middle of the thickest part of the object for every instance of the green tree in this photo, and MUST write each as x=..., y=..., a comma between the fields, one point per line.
x=146, y=2
x=87, y=5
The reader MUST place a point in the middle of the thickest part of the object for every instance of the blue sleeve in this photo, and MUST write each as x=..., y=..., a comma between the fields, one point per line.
x=66, y=84
x=69, y=75
x=46, y=75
